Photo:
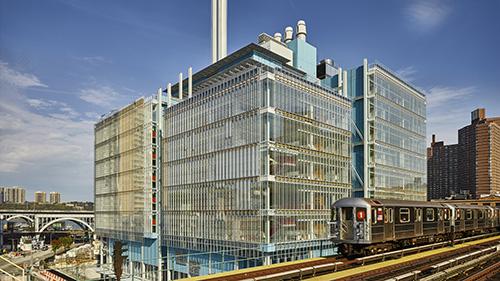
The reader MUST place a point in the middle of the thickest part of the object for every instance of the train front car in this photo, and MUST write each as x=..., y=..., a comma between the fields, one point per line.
x=350, y=225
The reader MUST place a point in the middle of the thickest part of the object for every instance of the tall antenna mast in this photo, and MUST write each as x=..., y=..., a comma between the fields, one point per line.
x=219, y=29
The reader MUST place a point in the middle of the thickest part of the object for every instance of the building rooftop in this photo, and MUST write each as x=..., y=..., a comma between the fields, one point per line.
x=229, y=60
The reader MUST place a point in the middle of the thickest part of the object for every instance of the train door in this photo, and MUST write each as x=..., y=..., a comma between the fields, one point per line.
x=459, y=220
x=440, y=220
x=389, y=224
x=346, y=223
x=475, y=217
x=418, y=221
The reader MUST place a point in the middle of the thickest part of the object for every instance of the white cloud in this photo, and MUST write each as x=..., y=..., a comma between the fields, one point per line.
x=407, y=73
x=438, y=96
x=18, y=79
x=102, y=96
x=426, y=15
x=94, y=60
x=92, y=115
x=43, y=143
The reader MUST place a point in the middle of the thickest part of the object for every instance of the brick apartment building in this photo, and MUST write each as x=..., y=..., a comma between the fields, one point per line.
x=472, y=166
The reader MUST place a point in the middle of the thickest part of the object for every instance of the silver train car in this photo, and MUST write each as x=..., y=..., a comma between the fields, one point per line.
x=364, y=226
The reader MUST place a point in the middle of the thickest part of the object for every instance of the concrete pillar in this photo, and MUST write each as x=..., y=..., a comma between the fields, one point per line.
x=143, y=266
x=37, y=223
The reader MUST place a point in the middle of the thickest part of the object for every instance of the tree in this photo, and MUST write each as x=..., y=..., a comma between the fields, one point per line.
x=64, y=242
x=118, y=259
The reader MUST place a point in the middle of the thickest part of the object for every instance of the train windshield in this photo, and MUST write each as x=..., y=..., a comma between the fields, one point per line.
x=347, y=214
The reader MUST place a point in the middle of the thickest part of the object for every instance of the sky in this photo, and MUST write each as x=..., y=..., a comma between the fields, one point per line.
x=64, y=63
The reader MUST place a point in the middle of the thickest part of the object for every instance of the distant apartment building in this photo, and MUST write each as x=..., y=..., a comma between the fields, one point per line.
x=55, y=197
x=14, y=195
x=389, y=135
x=479, y=143
x=40, y=197
x=442, y=170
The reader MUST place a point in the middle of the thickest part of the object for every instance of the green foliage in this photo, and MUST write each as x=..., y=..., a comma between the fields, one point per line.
x=63, y=242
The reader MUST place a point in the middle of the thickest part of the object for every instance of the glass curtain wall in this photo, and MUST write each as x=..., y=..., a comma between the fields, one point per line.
x=398, y=148
x=255, y=158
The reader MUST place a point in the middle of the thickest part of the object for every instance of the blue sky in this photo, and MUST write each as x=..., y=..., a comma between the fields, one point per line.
x=64, y=63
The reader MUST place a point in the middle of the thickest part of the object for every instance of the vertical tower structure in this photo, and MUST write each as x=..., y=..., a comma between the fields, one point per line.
x=479, y=144
x=389, y=128
x=442, y=170
x=127, y=183
x=219, y=29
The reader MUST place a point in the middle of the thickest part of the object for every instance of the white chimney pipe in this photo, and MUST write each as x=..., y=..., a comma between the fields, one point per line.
x=340, y=81
x=301, y=30
x=344, y=84
x=219, y=29
x=159, y=107
x=169, y=94
x=288, y=34
x=277, y=36
x=180, y=86
x=190, y=82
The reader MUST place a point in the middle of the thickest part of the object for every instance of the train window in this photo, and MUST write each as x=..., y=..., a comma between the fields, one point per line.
x=459, y=213
x=481, y=214
x=404, y=215
x=389, y=215
x=380, y=214
x=468, y=214
x=374, y=215
x=446, y=214
x=360, y=214
x=429, y=214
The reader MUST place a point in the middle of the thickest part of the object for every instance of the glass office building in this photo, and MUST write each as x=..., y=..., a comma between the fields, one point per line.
x=252, y=162
x=126, y=187
x=389, y=127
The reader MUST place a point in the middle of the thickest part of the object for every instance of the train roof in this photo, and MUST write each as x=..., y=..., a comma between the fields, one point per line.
x=365, y=202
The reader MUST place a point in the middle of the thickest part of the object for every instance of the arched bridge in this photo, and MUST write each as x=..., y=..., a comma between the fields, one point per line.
x=42, y=219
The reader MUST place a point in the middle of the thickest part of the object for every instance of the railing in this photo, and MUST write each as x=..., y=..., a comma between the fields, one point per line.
x=15, y=265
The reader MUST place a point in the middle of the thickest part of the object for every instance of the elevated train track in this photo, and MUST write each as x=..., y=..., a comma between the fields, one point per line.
x=406, y=264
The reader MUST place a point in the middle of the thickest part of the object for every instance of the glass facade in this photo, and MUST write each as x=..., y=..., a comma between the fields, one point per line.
x=389, y=127
x=392, y=147
x=253, y=161
x=126, y=165
x=396, y=151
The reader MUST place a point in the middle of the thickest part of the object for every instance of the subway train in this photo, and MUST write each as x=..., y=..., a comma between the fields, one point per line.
x=362, y=226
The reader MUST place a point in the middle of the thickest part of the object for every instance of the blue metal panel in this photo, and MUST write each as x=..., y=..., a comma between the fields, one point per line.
x=134, y=252
x=304, y=57
x=355, y=91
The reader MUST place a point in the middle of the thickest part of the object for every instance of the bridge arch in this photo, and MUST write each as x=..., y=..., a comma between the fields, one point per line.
x=67, y=219
x=26, y=218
